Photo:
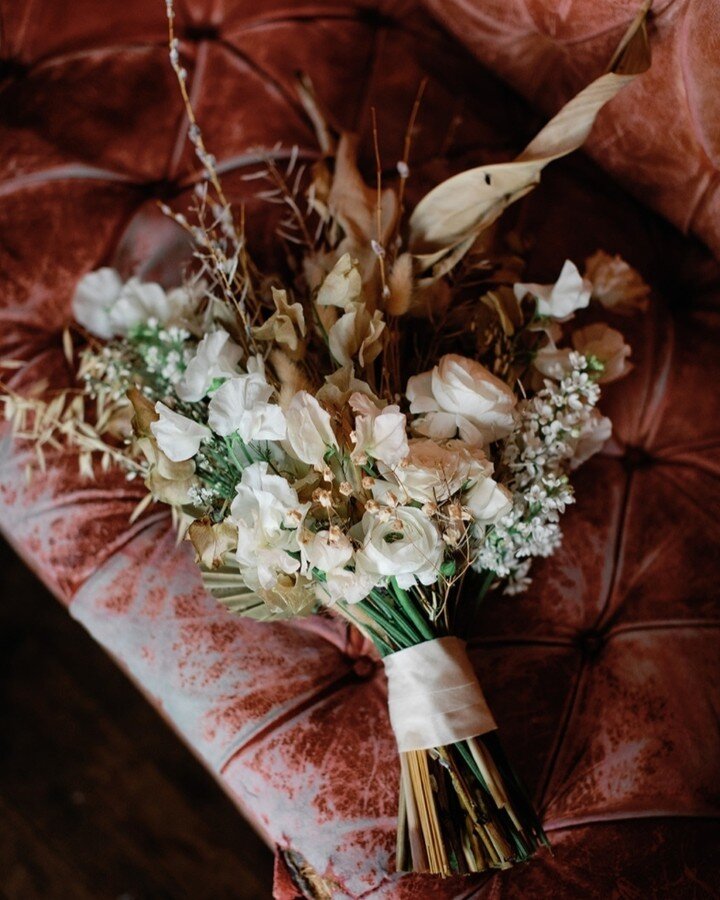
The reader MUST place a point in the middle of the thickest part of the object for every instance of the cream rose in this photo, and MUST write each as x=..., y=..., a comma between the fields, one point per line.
x=461, y=395
x=434, y=472
x=407, y=546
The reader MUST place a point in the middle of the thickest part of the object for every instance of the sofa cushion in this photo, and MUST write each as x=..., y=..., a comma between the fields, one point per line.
x=603, y=677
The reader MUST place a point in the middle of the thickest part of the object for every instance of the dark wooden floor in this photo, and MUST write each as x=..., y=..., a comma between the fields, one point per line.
x=98, y=798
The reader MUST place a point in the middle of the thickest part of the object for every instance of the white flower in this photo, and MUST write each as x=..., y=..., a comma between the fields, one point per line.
x=309, y=429
x=286, y=326
x=460, y=395
x=177, y=436
x=138, y=302
x=607, y=345
x=595, y=432
x=216, y=356
x=342, y=286
x=326, y=550
x=407, y=546
x=552, y=361
x=379, y=433
x=560, y=300
x=342, y=584
x=616, y=284
x=241, y=406
x=488, y=501
x=264, y=500
x=264, y=560
x=94, y=297
x=267, y=537
x=432, y=473
x=357, y=334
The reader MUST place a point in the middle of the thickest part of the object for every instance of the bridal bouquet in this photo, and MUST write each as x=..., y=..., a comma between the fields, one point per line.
x=384, y=431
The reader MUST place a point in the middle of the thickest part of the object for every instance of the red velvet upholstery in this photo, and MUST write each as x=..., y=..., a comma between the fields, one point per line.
x=604, y=678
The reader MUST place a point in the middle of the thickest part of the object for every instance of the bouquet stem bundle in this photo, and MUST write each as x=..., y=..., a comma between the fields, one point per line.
x=462, y=808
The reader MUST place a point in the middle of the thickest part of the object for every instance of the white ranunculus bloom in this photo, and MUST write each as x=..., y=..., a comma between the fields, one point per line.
x=309, y=429
x=95, y=295
x=241, y=406
x=138, y=302
x=461, y=395
x=560, y=300
x=488, y=501
x=217, y=356
x=595, y=432
x=407, y=546
x=326, y=550
x=379, y=433
x=607, y=345
x=177, y=436
x=342, y=286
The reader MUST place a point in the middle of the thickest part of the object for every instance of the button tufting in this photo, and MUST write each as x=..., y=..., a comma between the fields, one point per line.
x=590, y=643
x=636, y=458
x=199, y=33
x=364, y=667
x=161, y=189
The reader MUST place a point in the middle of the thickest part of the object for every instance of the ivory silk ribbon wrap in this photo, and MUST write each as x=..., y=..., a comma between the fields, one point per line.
x=434, y=696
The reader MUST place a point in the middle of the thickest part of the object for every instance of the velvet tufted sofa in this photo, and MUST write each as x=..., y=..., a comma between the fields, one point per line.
x=604, y=677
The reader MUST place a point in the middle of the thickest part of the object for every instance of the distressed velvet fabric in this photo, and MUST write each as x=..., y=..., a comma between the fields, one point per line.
x=604, y=676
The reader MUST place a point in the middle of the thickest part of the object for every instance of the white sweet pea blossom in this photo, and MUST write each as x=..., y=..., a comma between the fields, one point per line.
x=607, y=345
x=309, y=429
x=241, y=405
x=616, y=284
x=326, y=550
x=95, y=295
x=342, y=584
x=342, y=285
x=264, y=499
x=262, y=559
x=488, y=501
x=553, y=361
x=594, y=433
x=177, y=436
x=379, y=433
x=138, y=302
x=217, y=356
x=560, y=300
x=266, y=511
x=407, y=546
x=461, y=395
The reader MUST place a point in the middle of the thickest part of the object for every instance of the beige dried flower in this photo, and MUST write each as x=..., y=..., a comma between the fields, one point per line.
x=286, y=326
x=400, y=285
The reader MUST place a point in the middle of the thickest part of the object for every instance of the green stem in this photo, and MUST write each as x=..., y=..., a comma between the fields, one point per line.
x=390, y=613
x=411, y=610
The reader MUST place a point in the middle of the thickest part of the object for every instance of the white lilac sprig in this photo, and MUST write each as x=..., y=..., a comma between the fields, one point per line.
x=537, y=457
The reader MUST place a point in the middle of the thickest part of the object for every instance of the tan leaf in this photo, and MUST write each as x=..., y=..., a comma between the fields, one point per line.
x=144, y=412
x=212, y=541
x=453, y=213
